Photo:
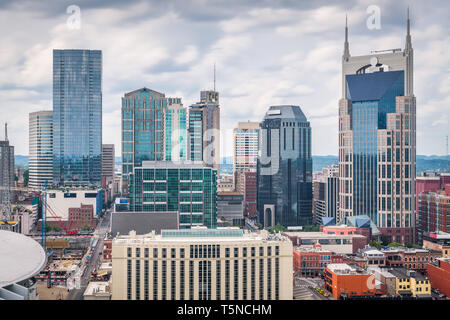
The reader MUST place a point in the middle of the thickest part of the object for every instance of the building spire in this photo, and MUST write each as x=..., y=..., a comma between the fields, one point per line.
x=214, y=76
x=346, y=45
x=6, y=131
x=408, y=45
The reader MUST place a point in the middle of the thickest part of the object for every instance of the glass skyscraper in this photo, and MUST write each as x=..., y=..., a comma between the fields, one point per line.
x=377, y=133
x=188, y=188
x=77, y=117
x=150, y=132
x=175, y=131
x=285, y=168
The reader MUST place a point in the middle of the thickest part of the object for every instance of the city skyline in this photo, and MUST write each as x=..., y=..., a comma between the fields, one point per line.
x=307, y=40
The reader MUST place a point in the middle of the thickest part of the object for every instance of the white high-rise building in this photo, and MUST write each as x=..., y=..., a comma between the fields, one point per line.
x=246, y=148
x=40, y=161
x=202, y=264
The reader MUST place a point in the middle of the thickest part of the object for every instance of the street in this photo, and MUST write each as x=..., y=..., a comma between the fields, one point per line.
x=93, y=260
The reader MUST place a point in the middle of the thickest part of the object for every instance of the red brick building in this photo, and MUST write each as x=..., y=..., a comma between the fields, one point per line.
x=409, y=258
x=434, y=212
x=250, y=191
x=346, y=281
x=311, y=262
x=83, y=216
x=107, y=250
x=439, y=275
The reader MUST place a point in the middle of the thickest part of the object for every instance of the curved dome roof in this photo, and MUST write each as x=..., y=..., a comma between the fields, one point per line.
x=21, y=257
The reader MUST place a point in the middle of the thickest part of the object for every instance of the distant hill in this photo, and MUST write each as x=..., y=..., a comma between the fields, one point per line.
x=424, y=163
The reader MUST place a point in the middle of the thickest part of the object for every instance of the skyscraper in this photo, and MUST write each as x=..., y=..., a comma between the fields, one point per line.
x=6, y=176
x=175, y=131
x=204, y=130
x=377, y=139
x=326, y=194
x=40, y=162
x=285, y=168
x=77, y=117
x=153, y=129
x=245, y=148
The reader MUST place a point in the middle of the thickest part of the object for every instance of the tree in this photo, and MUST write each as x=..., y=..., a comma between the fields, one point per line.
x=311, y=228
x=277, y=228
x=25, y=177
x=376, y=244
x=394, y=244
x=85, y=227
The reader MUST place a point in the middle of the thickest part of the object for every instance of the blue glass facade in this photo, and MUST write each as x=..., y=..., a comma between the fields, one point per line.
x=77, y=117
x=175, y=131
x=285, y=167
x=372, y=96
x=142, y=128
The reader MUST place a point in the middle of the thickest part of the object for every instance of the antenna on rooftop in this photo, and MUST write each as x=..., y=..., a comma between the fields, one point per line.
x=214, y=76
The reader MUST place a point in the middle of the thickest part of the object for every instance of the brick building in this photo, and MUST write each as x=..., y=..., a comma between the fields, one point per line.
x=433, y=212
x=310, y=262
x=82, y=216
x=439, y=275
x=346, y=281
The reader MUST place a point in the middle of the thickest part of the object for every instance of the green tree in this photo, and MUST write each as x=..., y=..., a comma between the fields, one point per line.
x=25, y=177
x=376, y=244
x=57, y=228
x=394, y=244
x=85, y=227
x=311, y=228
x=277, y=228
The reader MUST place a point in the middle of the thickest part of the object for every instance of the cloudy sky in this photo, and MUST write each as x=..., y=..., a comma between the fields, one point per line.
x=266, y=53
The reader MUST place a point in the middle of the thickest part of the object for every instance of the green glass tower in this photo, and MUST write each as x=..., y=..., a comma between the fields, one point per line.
x=186, y=187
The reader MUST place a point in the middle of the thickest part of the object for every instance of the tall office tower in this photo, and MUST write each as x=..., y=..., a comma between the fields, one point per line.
x=202, y=264
x=6, y=176
x=40, y=162
x=186, y=187
x=377, y=139
x=285, y=168
x=142, y=130
x=246, y=148
x=108, y=161
x=77, y=117
x=175, y=134
x=204, y=130
x=326, y=194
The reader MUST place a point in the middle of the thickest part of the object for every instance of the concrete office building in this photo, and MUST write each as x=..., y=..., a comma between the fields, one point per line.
x=245, y=148
x=62, y=204
x=6, y=176
x=186, y=187
x=377, y=139
x=77, y=117
x=202, y=264
x=108, y=161
x=326, y=194
x=230, y=208
x=204, y=130
x=285, y=168
x=40, y=162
